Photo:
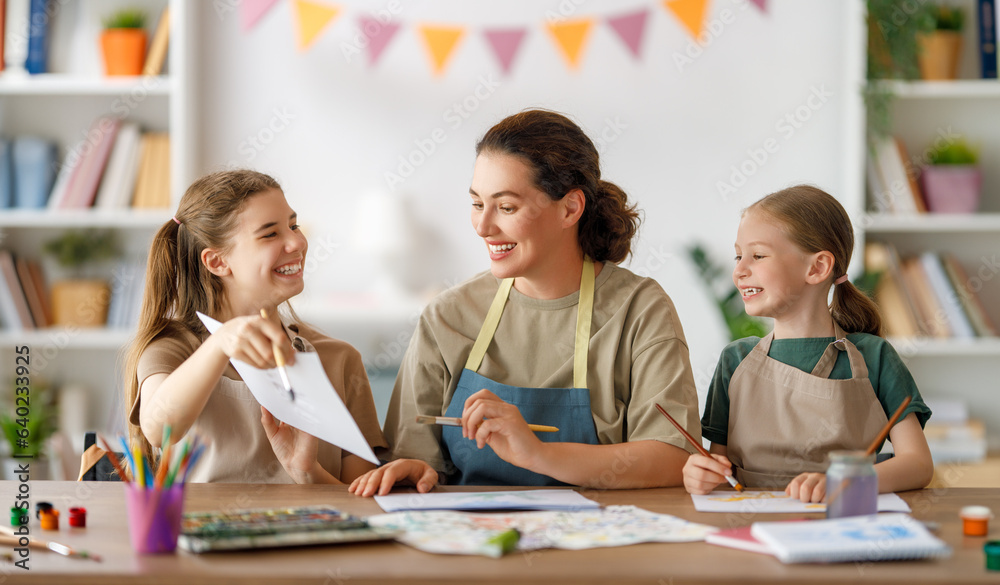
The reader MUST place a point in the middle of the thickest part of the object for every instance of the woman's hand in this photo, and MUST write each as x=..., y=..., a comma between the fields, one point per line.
x=252, y=339
x=702, y=474
x=491, y=421
x=380, y=481
x=808, y=487
x=296, y=450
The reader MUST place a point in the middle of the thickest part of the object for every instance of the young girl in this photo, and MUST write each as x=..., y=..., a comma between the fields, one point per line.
x=778, y=405
x=233, y=249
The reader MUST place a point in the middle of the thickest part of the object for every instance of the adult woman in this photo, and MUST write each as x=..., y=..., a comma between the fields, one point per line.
x=553, y=230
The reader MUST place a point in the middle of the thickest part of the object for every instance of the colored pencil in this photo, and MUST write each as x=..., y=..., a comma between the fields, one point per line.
x=161, y=470
x=114, y=460
x=140, y=468
x=732, y=480
x=451, y=421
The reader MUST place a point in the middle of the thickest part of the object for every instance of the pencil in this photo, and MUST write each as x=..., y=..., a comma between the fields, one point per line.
x=454, y=421
x=279, y=358
x=732, y=481
x=114, y=460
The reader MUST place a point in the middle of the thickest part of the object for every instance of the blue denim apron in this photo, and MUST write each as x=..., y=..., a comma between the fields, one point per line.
x=565, y=408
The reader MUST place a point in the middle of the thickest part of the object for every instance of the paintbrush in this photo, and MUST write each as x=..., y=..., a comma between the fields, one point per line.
x=8, y=537
x=732, y=480
x=279, y=358
x=452, y=421
x=871, y=449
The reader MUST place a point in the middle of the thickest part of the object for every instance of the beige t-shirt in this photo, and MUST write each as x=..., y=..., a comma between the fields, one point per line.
x=638, y=357
x=238, y=450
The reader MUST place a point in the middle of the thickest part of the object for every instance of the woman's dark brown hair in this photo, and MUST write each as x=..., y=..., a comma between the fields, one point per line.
x=816, y=222
x=563, y=158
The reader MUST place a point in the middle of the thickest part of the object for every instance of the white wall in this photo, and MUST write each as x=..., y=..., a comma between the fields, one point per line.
x=681, y=130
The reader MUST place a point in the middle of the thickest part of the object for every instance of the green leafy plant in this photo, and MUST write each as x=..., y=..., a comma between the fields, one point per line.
x=892, y=54
x=718, y=282
x=27, y=434
x=126, y=18
x=75, y=249
x=941, y=17
x=956, y=152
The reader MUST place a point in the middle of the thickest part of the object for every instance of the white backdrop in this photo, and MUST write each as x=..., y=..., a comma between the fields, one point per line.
x=330, y=128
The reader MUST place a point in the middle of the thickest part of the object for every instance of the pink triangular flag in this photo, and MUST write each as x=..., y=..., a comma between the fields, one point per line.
x=630, y=28
x=762, y=4
x=505, y=43
x=379, y=34
x=252, y=11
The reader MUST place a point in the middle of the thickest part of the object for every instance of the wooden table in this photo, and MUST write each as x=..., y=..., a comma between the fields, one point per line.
x=390, y=562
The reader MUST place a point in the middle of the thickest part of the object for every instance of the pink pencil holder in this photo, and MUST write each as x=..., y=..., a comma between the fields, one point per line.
x=154, y=517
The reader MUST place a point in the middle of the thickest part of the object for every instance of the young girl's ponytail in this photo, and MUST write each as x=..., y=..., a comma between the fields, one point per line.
x=816, y=222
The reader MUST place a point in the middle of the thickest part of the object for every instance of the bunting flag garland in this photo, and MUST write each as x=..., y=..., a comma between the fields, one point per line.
x=379, y=34
x=691, y=13
x=570, y=37
x=251, y=11
x=505, y=43
x=441, y=41
x=312, y=18
x=630, y=28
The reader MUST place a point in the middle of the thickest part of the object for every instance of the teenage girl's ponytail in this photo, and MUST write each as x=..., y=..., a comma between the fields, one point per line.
x=816, y=222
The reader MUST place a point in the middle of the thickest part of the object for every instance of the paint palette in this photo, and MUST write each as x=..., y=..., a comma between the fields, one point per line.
x=274, y=527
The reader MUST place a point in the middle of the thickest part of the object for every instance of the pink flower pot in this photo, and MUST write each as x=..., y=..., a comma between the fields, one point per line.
x=952, y=188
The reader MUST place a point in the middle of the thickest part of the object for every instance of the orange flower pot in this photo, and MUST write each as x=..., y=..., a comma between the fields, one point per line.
x=939, y=54
x=124, y=50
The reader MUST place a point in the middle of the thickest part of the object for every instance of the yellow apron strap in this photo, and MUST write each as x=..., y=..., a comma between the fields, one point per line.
x=489, y=326
x=584, y=315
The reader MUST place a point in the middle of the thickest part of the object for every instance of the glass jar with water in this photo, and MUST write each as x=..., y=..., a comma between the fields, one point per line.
x=851, y=484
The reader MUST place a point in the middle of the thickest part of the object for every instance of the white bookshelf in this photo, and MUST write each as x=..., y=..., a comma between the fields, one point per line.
x=923, y=112
x=61, y=106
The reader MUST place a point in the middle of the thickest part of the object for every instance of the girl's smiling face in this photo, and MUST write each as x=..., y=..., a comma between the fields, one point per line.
x=263, y=266
x=520, y=225
x=770, y=270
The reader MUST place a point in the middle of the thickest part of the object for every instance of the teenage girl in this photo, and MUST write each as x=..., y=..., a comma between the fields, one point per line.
x=232, y=249
x=824, y=379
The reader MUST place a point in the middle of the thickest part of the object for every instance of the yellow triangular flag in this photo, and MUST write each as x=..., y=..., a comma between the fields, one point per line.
x=570, y=36
x=441, y=41
x=312, y=18
x=691, y=13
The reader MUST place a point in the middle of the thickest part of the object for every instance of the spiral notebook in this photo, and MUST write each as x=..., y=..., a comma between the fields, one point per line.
x=880, y=537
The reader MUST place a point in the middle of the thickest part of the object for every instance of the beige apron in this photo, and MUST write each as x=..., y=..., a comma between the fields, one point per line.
x=789, y=419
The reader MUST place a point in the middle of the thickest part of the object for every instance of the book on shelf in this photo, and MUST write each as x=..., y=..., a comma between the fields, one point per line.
x=33, y=295
x=152, y=187
x=6, y=175
x=157, y=54
x=86, y=177
x=32, y=161
x=891, y=295
x=16, y=313
x=118, y=181
x=987, y=19
x=37, y=60
x=16, y=24
x=891, y=181
x=952, y=436
x=971, y=303
x=126, y=294
x=3, y=25
x=930, y=313
x=946, y=296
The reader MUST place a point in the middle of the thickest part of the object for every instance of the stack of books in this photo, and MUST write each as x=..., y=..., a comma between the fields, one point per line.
x=929, y=295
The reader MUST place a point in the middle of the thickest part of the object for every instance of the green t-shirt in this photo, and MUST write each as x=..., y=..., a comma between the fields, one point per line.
x=889, y=377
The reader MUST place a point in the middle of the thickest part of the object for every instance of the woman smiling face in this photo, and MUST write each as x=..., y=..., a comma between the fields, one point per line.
x=527, y=235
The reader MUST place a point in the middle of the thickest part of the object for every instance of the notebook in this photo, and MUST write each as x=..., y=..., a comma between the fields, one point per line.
x=879, y=537
x=274, y=527
x=742, y=539
x=500, y=500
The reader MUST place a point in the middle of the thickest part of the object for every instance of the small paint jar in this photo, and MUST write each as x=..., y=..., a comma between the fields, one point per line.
x=41, y=507
x=50, y=519
x=78, y=517
x=975, y=520
x=992, y=550
x=18, y=516
x=851, y=484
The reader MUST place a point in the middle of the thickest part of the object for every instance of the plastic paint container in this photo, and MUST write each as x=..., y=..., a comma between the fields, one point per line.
x=41, y=507
x=78, y=517
x=50, y=519
x=975, y=520
x=992, y=550
x=18, y=516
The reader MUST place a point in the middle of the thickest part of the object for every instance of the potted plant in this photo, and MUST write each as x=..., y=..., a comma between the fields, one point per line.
x=123, y=42
x=892, y=54
x=939, y=41
x=718, y=282
x=952, y=181
x=27, y=436
x=81, y=301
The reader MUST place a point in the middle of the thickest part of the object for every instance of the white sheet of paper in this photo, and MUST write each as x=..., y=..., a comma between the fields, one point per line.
x=317, y=408
x=765, y=502
x=508, y=500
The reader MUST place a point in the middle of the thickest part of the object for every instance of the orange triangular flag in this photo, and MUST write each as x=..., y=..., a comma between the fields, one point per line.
x=441, y=41
x=570, y=36
x=312, y=18
x=691, y=13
